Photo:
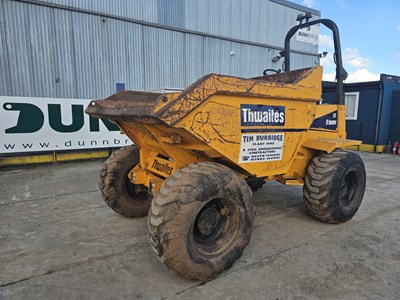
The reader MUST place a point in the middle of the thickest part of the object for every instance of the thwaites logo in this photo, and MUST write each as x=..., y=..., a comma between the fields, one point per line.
x=162, y=166
x=262, y=115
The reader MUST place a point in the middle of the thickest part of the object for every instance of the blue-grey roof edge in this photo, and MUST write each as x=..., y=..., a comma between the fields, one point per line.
x=297, y=6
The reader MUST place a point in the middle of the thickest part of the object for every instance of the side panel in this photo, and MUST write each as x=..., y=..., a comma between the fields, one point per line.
x=231, y=125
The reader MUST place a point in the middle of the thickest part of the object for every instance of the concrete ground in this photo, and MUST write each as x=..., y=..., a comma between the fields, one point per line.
x=59, y=240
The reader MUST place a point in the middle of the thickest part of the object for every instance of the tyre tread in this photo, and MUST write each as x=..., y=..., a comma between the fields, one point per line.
x=166, y=203
x=318, y=182
x=109, y=177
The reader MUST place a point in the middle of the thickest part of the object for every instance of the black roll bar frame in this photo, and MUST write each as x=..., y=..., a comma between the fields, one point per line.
x=341, y=73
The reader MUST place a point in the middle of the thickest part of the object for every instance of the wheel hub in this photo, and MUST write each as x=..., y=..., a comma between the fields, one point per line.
x=208, y=221
x=347, y=189
x=215, y=226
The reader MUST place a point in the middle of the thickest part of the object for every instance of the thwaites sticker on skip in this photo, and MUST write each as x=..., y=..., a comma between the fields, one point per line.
x=261, y=147
x=262, y=115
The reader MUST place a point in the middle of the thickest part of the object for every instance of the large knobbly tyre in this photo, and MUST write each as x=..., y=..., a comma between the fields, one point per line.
x=201, y=220
x=334, y=186
x=117, y=190
x=255, y=183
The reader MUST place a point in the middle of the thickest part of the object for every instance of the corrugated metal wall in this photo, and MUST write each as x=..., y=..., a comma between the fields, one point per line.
x=82, y=48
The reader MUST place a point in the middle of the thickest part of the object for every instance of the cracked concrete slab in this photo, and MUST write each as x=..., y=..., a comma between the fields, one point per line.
x=58, y=239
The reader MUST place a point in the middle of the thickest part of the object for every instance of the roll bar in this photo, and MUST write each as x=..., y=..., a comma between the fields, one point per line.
x=341, y=73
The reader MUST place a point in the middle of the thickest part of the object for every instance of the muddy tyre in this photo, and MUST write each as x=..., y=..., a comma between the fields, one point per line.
x=201, y=220
x=117, y=190
x=334, y=186
x=255, y=183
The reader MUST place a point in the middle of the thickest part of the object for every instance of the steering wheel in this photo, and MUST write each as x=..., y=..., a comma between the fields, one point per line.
x=265, y=73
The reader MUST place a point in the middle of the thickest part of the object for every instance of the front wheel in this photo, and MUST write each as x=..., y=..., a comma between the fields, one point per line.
x=334, y=186
x=201, y=220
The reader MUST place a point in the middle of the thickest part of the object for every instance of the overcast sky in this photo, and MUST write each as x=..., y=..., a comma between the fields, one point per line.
x=370, y=36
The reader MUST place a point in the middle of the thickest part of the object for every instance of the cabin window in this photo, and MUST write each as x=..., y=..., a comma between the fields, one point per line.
x=351, y=101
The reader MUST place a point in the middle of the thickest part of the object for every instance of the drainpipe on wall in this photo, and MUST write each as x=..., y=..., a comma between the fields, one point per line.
x=378, y=118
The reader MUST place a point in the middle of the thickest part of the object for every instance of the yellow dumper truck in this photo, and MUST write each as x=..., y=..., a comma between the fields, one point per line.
x=199, y=153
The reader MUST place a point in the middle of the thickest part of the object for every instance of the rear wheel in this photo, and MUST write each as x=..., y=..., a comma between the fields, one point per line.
x=201, y=220
x=117, y=190
x=334, y=186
